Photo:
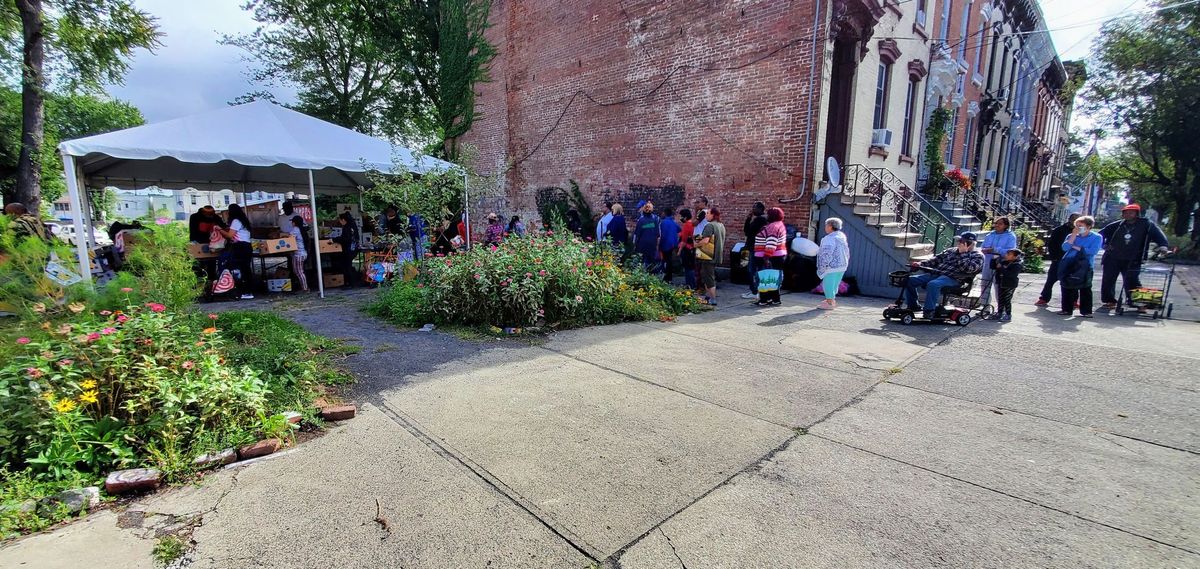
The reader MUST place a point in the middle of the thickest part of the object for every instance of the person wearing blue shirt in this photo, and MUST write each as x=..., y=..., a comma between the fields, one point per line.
x=668, y=241
x=995, y=244
x=1078, y=265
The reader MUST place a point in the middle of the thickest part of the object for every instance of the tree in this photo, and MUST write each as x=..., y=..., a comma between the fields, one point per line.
x=67, y=116
x=342, y=74
x=447, y=54
x=1143, y=86
x=80, y=44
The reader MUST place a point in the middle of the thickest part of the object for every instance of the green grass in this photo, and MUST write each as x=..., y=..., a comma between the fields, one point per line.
x=168, y=549
x=21, y=487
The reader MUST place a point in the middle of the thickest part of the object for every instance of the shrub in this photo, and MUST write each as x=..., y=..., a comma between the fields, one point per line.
x=547, y=278
x=157, y=266
x=1032, y=246
x=23, y=280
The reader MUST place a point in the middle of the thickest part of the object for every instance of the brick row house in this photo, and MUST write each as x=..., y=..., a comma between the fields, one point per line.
x=745, y=100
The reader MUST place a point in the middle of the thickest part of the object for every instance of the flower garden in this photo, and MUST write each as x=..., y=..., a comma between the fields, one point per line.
x=550, y=280
x=132, y=375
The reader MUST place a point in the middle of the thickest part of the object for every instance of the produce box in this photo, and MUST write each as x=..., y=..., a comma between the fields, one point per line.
x=1148, y=295
x=328, y=246
x=271, y=246
x=279, y=285
x=334, y=281
x=202, y=251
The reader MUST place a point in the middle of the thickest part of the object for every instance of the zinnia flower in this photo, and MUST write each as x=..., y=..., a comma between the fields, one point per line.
x=108, y=331
x=528, y=274
x=34, y=372
x=126, y=290
x=76, y=307
x=105, y=313
x=122, y=318
x=578, y=298
x=212, y=316
x=92, y=337
x=64, y=329
x=39, y=307
x=88, y=397
x=88, y=384
x=478, y=276
x=65, y=406
x=188, y=365
x=155, y=307
x=542, y=272
x=65, y=363
x=162, y=221
x=23, y=340
x=210, y=330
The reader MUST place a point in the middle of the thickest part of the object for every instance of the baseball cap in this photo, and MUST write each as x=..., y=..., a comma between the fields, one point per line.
x=1132, y=207
x=968, y=237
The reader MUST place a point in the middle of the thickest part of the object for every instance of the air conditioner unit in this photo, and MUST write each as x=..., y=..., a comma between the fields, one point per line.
x=881, y=137
x=990, y=175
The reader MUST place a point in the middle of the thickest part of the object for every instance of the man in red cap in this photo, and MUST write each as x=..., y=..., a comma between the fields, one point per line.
x=1125, y=246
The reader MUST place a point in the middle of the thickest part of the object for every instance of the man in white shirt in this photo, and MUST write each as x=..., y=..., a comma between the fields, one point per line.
x=602, y=225
x=285, y=220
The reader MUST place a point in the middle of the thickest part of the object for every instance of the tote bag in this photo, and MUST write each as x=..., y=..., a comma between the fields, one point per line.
x=769, y=280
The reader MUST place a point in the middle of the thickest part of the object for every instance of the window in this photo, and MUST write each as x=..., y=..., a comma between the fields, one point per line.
x=944, y=29
x=966, y=151
x=910, y=104
x=882, y=85
x=983, y=38
x=962, y=34
x=951, y=130
x=921, y=13
x=193, y=200
x=226, y=200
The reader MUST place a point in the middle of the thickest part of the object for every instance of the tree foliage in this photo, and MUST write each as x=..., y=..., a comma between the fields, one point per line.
x=68, y=116
x=342, y=74
x=1143, y=87
x=935, y=136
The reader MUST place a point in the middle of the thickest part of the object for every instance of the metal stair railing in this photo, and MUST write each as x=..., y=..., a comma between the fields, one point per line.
x=895, y=202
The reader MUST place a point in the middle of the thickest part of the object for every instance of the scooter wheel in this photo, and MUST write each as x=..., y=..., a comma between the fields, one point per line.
x=906, y=319
x=963, y=319
x=1120, y=310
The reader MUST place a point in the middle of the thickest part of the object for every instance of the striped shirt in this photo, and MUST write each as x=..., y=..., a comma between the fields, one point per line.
x=770, y=242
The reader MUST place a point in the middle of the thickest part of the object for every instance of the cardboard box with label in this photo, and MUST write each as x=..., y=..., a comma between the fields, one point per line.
x=334, y=280
x=202, y=251
x=279, y=285
x=328, y=246
x=273, y=246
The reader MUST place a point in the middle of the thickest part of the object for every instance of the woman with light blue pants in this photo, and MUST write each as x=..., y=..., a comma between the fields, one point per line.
x=832, y=261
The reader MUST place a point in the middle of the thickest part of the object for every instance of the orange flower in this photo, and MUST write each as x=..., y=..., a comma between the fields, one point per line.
x=210, y=330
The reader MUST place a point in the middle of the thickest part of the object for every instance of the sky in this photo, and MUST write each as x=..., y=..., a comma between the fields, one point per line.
x=192, y=73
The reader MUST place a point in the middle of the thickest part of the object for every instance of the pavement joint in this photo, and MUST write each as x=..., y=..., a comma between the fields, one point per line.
x=1042, y=417
x=1009, y=495
x=489, y=480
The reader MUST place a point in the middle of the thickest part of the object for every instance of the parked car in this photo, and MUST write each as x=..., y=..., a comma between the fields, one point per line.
x=66, y=232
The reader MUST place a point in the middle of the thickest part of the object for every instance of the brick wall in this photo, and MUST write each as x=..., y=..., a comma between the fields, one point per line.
x=635, y=128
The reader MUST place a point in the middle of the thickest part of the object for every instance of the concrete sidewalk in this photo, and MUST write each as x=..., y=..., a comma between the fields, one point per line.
x=743, y=437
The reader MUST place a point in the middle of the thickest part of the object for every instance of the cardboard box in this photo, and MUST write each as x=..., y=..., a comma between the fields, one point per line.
x=202, y=251
x=334, y=281
x=272, y=246
x=328, y=246
x=279, y=285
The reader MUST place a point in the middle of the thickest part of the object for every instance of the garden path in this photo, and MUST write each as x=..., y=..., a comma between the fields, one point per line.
x=743, y=437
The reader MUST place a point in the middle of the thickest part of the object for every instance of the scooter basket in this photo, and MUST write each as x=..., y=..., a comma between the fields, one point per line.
x=899, y=279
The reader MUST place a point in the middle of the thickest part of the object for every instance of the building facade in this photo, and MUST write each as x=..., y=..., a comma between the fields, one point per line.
x=744, y=101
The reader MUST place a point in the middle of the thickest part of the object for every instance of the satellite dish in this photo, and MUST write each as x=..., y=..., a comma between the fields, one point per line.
x=835, y=172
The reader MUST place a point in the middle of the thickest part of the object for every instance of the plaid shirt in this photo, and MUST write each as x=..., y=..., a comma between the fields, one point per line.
x=955, y=264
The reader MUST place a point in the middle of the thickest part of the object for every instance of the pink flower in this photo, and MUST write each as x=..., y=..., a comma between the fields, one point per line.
x=105, y=312
x=212, y=316
x=587, y=264
x=162, y=221
x=122, y=318
x=108, y=331
x=528, y=274
x=92, y=337
x=127, y=290
x=23, y=340
x=65, y=363
x=155, y=307
x=34, y=372
x=542, y=272
x=419, y=285
x=188, y=365
x=578, y=298
x=429, y=254
x=549, y=233
x=478, y=276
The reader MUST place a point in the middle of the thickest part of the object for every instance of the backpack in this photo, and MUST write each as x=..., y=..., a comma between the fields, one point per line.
x=1077, y=273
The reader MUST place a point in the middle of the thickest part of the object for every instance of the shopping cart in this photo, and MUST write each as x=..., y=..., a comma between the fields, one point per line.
x=1153, y=296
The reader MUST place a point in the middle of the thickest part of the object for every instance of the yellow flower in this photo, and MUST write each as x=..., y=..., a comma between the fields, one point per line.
x=48, y=396
x=76, y=307
x=88, y=384
x=88, y=396
x=65, y=405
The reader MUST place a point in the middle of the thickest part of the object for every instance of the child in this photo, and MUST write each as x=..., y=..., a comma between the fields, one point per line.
x=1007, y=272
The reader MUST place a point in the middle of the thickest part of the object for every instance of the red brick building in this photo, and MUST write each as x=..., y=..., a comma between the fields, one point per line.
x=666, y=100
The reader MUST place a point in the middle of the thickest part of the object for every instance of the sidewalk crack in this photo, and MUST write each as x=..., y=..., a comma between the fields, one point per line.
x=673, y=550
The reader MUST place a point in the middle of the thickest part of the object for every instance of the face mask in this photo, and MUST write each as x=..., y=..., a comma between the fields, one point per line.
x=1083, y=230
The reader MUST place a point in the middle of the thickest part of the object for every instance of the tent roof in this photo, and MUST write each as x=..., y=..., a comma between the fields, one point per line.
x=257, y=144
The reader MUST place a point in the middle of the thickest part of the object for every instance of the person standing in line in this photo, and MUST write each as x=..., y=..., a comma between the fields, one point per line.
x=416, y=233
x=832, y=261
x=515, y=227
x=1054, y=254
x=300, y=232
x=1008, y=274
x=699, y=223
x=1078, y=266
x=710, y=253
x=1125, y=246
x=668, y=242
x=238, y=237
x=348, y=239
x=618, y=233
x=494, y=233
x=994, y=246
x=687, y=251
x=771, y=249
x=754, y=223
x=602, y=225
x=646, y=236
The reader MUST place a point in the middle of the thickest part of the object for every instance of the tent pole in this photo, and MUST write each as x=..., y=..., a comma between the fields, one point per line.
x=81, y=244
x=467, y=208
x=316, y=232
x=363, y=217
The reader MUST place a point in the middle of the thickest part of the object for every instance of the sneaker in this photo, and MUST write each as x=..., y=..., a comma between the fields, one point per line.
x=996, y=316
x=1064, y=312
x=247, y=296
x=1107, y=305
x=775, y=302
x=749, y=295
x=1086, y=316
x=1006, y=318
x=1041, y=302
x=712, y=302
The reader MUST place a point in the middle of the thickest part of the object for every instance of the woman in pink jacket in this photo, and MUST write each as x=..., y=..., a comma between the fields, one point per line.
x=770, y=247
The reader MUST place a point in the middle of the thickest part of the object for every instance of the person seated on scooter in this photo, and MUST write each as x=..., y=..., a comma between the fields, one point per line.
x=950, y=268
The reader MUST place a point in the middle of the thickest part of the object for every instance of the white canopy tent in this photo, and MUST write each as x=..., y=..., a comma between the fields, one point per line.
x=260, y=145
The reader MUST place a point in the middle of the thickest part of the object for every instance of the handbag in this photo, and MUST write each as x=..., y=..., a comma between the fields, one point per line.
x=1077, y=273
x=769, y=280
x=706, y=251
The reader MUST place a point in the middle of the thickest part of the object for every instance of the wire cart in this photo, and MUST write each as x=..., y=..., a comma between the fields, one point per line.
x=1153, y=296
